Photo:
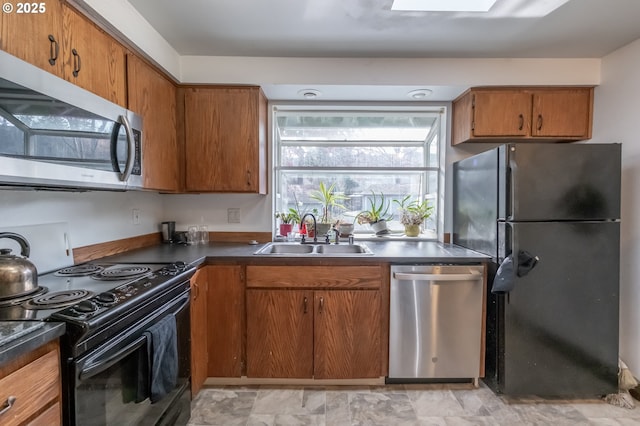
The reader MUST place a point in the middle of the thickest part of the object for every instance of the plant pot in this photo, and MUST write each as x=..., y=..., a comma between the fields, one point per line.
x=380, y=227
x=285, y=228
x=345, y=229
x=412, y=230
x=323, y=229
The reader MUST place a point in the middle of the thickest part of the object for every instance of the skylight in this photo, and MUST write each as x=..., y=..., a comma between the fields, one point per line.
x=443, y=5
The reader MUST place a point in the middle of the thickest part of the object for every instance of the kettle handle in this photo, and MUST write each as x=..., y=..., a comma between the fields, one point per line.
x=24, y=244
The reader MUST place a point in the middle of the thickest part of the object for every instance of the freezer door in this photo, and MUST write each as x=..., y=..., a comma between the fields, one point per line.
x=561, y=182
x=560, y=321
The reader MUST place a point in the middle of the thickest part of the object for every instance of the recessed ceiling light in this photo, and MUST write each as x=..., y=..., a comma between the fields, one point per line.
x=443, y=5
x=419, y=93
x=309, y=93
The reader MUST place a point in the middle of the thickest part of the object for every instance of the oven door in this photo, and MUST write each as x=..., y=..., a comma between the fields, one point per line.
x=111, y=382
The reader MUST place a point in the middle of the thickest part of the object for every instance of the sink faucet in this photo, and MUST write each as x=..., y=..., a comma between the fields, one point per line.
x=315, y=228
x=337, y=235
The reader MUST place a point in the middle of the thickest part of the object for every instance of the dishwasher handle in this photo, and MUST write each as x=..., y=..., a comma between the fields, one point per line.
x=473, y=276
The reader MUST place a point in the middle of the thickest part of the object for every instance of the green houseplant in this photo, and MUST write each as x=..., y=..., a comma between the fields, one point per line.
x=413, y=214
x=377, y=214
x=287, y=219
x=330, y=201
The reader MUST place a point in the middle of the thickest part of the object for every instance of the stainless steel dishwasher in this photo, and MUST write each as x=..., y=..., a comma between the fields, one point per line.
x=435, y=327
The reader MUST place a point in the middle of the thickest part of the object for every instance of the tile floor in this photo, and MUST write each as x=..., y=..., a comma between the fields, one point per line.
x=394, y=405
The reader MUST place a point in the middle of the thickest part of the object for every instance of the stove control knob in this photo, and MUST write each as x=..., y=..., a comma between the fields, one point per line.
x=106, y=298
x=85, y=306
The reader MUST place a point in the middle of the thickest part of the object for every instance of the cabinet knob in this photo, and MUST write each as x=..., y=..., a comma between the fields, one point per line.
x=8, y=404
x=54, y=50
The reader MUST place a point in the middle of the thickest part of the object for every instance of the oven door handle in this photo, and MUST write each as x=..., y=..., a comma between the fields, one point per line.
x=103, y=364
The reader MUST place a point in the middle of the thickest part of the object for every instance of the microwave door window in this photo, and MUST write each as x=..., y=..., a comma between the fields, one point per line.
x=11, y=138
x=83, y=141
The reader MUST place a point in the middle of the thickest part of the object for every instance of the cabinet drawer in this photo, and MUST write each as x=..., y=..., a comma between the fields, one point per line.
x=34, y=386
x=50, y=417
x=341, y=277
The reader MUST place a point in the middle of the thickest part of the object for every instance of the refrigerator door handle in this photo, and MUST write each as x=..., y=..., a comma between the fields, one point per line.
x=512, y=167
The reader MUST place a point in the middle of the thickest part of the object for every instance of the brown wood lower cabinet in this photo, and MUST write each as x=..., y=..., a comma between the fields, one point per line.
x=217, y=312
x=225, y=320
x=199, y=356
x=33, y=380
x=346, y=334
x=327, y=327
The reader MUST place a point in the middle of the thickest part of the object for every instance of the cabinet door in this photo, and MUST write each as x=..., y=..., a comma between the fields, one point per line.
x=347, y=334
x=154, y=97
x=35, y=37
x=225, y=130
x=93, y=60
x=501, y=113
x=562, y=113
x=280, y=333
x=199, y=357
x=225, y=320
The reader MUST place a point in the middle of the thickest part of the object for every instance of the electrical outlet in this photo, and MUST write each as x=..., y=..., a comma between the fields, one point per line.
x=135, y=216
x=233, y=215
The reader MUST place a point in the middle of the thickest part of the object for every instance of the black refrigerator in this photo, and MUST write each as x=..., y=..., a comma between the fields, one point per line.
x=555, y=332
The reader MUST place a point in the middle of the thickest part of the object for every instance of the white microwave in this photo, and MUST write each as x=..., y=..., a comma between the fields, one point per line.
x=54, y=134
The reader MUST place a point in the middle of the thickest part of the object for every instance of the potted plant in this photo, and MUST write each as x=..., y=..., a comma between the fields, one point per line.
x=413, y=214
x=330, y=200
x=287, y=219
x=377, y=214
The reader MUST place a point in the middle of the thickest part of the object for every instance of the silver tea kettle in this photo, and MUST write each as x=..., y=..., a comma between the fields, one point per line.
x=18, y=275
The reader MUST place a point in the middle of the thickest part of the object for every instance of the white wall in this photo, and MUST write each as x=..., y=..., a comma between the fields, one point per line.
x=93, y=217
x=617, y=108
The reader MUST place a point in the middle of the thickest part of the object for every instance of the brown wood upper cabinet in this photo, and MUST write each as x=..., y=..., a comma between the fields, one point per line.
x=152, y=96
x=322, y=323
x=552, y=114
x=65, y=43
x=93, y=60
x=36, y=37
x=225, y=139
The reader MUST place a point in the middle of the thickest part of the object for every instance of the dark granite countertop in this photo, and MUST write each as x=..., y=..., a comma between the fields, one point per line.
x=21, y=337
x=383, y=251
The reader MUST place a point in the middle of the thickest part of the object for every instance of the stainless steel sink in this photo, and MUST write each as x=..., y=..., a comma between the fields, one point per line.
x=343, y=249
x=283, y=248
x=297, y=249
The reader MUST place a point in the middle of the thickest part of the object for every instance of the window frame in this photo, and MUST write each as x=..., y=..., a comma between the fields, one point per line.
x=439, y=131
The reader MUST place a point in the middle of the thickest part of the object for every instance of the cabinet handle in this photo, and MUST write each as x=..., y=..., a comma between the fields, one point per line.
x=196, y=291
x=249, y=178
x=77, y=63
x=521, y=121
x=539, y=121
x=54, y=50
x=8, y=404
x=305, y=304
x=321, y=307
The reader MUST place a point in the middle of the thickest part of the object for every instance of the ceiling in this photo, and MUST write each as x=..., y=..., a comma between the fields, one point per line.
x=369, y=29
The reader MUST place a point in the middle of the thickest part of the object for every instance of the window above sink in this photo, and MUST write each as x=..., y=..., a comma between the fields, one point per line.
x=390, y=149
